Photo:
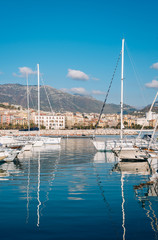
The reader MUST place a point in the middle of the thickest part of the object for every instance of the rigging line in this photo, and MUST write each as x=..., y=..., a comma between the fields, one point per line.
x=151, y=107
x=140, y=84
x=35, y=105
x=47, y=95
x=25, y=95
x=31, y=99
x=108, y=92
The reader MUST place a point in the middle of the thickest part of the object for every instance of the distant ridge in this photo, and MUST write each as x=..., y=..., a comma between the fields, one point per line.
x=154, y=109
x=60, y=101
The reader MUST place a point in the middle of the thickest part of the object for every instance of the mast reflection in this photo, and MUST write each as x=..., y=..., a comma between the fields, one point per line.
x=38, y=191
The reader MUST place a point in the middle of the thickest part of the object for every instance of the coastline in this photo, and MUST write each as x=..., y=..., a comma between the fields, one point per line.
x=68, y=133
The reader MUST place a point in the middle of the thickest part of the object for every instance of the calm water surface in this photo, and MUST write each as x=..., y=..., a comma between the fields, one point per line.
x=73, y=192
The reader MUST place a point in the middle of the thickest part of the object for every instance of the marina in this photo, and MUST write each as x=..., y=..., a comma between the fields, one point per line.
x=70, y=191
x=78, y=120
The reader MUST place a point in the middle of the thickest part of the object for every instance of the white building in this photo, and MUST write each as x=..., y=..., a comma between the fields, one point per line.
x=141, y=121
x=51, y=121
x=151, y=115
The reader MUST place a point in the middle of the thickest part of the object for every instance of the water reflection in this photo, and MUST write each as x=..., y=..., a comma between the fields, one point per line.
x=35, y=151
x=3, y=174
x=127, y=167
x=102, y=157
x=77, y=184
x=28, y=190
x=47, y=148
x=144, y=191
x=9, y=169
x=38, y=190
x=72, y=192
x=123, y=206
x=147, y=194
x=35, y=160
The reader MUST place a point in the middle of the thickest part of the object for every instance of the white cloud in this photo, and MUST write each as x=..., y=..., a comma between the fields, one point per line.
x=154, y=66
x=77, y=75
x=80, y=91
x=153, y=84
x=95, y=79
x=23, y=71
x=64, y=90
x=98, y=92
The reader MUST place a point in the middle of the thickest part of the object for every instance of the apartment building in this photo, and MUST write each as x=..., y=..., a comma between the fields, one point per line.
x=51, y=121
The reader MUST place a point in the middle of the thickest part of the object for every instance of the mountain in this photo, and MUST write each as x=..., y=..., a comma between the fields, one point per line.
x=154, y=109
x=59, y=100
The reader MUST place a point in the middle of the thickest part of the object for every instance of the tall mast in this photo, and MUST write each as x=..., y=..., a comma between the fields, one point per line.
x=38, y=99
x=122, y=68
x=28, y=110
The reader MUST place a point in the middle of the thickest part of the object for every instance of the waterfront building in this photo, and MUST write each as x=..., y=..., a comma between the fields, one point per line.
x=6, y=119
x=51, y=121
x=142, y=121
x=19, y=121
x=151, y=115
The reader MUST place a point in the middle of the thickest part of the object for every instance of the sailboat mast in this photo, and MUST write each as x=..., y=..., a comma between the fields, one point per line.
x=38, y=99
x=28, y=107
x=122, y=69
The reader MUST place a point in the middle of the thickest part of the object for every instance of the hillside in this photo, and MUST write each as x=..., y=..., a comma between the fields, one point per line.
x=60, y=101
x=155, y=108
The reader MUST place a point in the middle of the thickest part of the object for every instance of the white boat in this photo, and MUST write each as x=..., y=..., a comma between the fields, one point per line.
x=50, y=140
x=38, y=143
x=11, y=156
x=43, y=140
x=8, y=155
x=4, y=140
x=2, y=157
x=109, y=144
x=127, y=144
x=27, y=147
x=142, y=147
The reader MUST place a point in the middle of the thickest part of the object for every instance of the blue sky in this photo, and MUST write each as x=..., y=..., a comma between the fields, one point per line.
x=83, y=36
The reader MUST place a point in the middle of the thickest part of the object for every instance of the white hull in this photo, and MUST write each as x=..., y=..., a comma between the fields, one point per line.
x=11, y=157
x=27, y=147
x=49, y=140
x=3, y=155
x=8, y=155
x=38, y=143
x=6, y=140
x=110, y=144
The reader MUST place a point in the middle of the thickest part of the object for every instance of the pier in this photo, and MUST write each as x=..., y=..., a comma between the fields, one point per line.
x=68, y=133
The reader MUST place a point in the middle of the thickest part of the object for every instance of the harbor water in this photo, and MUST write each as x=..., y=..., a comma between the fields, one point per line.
x=72, y=192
